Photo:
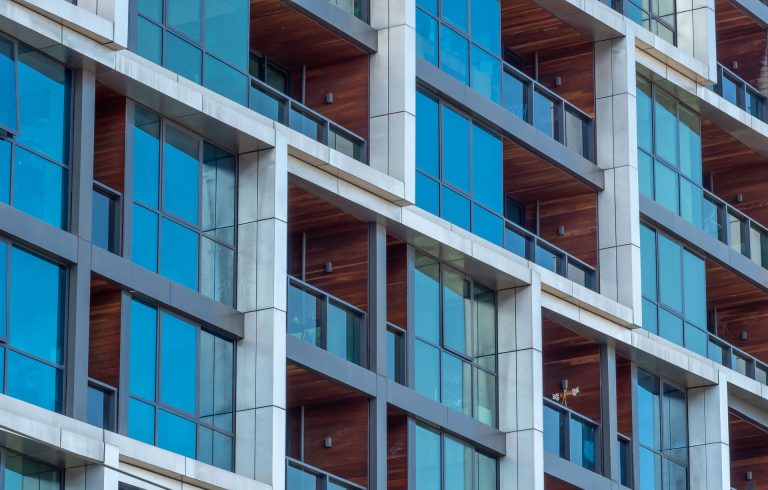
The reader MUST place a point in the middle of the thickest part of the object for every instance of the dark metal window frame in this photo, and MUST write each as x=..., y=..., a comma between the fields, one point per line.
x=401, y=355
x=110, y=393
x=116, y=215
x=652, y=16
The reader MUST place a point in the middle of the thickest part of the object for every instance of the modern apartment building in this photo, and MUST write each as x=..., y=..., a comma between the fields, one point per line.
x=383, y=244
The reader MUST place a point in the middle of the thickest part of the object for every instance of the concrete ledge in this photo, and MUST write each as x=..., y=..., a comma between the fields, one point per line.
x=344, y=24
x=78, y=19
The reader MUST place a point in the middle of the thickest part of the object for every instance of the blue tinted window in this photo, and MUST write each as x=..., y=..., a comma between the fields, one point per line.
x=691, y=201
x=40, y=188
x=216, y=380
x=455, y=149
x=486, y=74
x=429, y=5
x=543, y=113
x=217, y=274
x=455, y=208
x=455, y=11
x=215, y=448
x=644, y=111
x=5, y=171
x=218, y=194
x=179, y=253
x=178, y=363
x=427, y=194
x=33, y=382
x=690, y=145
x=457, y=384
x=695, y=289
x=141, y=421
x=3, y=292
x=665, y=127
x=454, y=54
x=37, y=306
x=648, y=261
x=427, y=372
x=487, y=169
x=696, y=339
x=43, y=104
x=149, y=40
x=458, y=465
x=670, y=273
x=426, y=37
x=427, y=298
x=146, y=157
x=427, y=462
x=151, y=8
x=427, y=144
x=226, y=30
x=486, y=24
x=143, y=356
x=183, y=58
x=666, y=187
x=645, y=173
x=225, y=80
x=670, y=326
x=186, y=17
x=176, y=434
x=650, y=316
x=7, y=85
x=181, y=174
x=514, y=99
x=487, y=225
x=649, y=418
x=457, y=334
x=144, y=243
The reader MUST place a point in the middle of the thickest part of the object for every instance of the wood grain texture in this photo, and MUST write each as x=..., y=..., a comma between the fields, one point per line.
x=397, y=283
x=397, y=450
x=624, y=395
x=749, y=452
x=740, y=39
x=305, y=387
x=109, y=139
x=552, y=483
x=104, y=333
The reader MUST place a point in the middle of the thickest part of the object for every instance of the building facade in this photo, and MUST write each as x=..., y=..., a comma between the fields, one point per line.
x=383, y=244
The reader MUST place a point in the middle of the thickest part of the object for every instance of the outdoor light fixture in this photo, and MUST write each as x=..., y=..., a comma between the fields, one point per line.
x=564, y=384
x=560, y=230
x=735, y=65
x=327, y=443
x=739, y=197
x=558, y=81
x=748, y=476
x=743, y=335
x=329, y=98
x=329, y=267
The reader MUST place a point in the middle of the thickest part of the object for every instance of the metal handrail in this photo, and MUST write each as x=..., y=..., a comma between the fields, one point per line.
x=748, y=223
x=573, y=413
x=744, y=87
x=731, y=350
x=319, y=292
x=322, y=474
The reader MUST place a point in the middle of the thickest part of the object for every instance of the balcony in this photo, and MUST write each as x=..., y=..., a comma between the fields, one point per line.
x=571, y=436
x=301, y=476
x=734, y=228
x=739, y=92
x=732, y=357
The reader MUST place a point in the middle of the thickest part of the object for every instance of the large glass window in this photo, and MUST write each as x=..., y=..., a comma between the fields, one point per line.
x=183, y=228
x=181, y=386
x=658, y=16
x=662, y=422
x=34, y=146
x=23, y=473
x=455, y=350
x=459, y=169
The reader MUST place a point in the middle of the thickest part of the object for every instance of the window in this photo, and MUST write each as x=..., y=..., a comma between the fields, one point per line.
x=22, y=473
x=265, y=70
x=445, y=463
x=34, y=133
x=181, y=386
x=106, y=218
x=662, y=434
x=459, y=169
x=674, y=291
x=205, y=41
x=455, y=345
x=657, y=16
x=184, y=228
x=669, y=152
x=32, y=305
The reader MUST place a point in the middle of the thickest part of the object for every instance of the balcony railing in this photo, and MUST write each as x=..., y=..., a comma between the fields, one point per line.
x=358, y=8
x=738, y=91
x=526, y=244
x=301, y=476
x=546, y=111
x=732, y=357
x=326, y=321
x=396, y=358
x=571, y=436
x=735, y=229
x=279, y=107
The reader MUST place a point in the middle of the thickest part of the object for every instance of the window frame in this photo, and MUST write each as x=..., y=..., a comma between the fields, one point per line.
x=654, y=17
x=117, y=225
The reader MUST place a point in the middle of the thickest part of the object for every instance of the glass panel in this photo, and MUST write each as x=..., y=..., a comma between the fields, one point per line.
x=217, y=275
x=299, y=479
x=97, y=401
x=40, y=188
x=487, y=162
x=648, y=261
x=648, y=407
x=427, y=461
x=575, y=132
x=152, y=9
x=344, y=335
x=717, y=353
x=428, y=5
x=546, y=258
x=486, y=472
x=103, y=229
x=426, y=37
x=553, y=431
x=649, y=470
x=5, y=171
x=186, y=17
x=650, y=316
x=146, y=157
x=696, y=339
x=36, y=306
x=740, y=363
x=579, y=274
x=224, y=79
x=26, y=474
x=754, y=104
x=757, y=244
x=427, y=143
x=179, y=253
x=226, y=30
x=694, y=289
x=141, y=421
x=458, y=465
x=675, y=441
x=265, y=103
x=690, y=145
x=395, y=356
x=305, y=124
x=34, y=382
x=216, y=380
x=711, y=218
x=182, y=57
x=457, y=311
x=181, y=174
x=644, y=111
x=427, y=298
x=670, y=326
x=761, y=374
x=543, y=113
x=670, y=273
x=178, y=363
x=304, y=313
x=486, y=24
x=625, y=462
x=344, y=143
x=143, y=354
x=454, y=54
x=486, y=73
x=485, y=318
x=666, y=187
x=214, y=448
x=7, y=85
x=3, y=294
x=144, y=250
x=218, y=194
x=487, y=225
x=427, y=370
x=455, y=12
x=275, y=78
x=427, y=194
x=176, y=434
x=349, y=6
x=485, y=397
x=515, y=242
x=645, y=171
x=735, y=238
x=691, y=198
x=149, y=40
x=514, y=96
x=457, y=384
x=729, y=89
x=456, y=149
x=665, y=128
x=675, y=476
x=43, y=104
x=455, y=208
x=582, y=443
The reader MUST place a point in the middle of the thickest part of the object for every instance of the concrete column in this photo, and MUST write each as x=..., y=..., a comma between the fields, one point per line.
x=262, y=290
x=618, y=205
x=377, y=350
x=393, y=92
x=709, y=453
x=521, y=414
x=609, y=413
x=696, y=31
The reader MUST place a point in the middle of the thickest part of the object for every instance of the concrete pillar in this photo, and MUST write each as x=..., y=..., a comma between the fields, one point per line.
x=708, y=440
x=618, y=205
x=262, y=290
x=521, y=414
x=696, y=31
x=393, y=92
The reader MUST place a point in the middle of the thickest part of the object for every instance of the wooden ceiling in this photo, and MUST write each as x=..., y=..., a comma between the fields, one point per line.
x=528, y=28
x=741, y=39
x=749, y=452
x=308, y=213
x=552, y=483
x=305, y=387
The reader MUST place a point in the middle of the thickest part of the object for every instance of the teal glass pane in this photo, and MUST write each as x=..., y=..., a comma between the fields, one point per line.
x=146, y=157
x=181, y=174
x=5, y=171
x=217, y=271
x=214, y=448
x=225, y=80
x=516, y=242
x=149, y=40
x=487, y=169
x=648, y=261
x=427, y=135
x=427, y=460
x=456, y=149
x=644, y=115
x=650, y=316
x=665, y=128
x=691, y=201
x=487, y=225
x=40, y=188
x=344, y=333
x=305, y=124
x=458, y=465
x=426, y=307
x=427, y=372
x=690, y=144
x=554, y=426
x=151, y=8
x=457, y=384
x=217, y=372
x=675, y=476
x=266, y=103
x=36, y=306
x=183, y=58
x=3, y=294
x=648, y=410
x=219, y=186
x=226, y=31
x=179, y=253
x=299, y=479
x=186, y=17
x=22, y=473
x=675, y=424
x=696, y=339
x=426, y=37
x=670, y=326
x=582, y=443
x=428, y=5
x=34, y=382
x=141, y=421
x=487, y=469
x=304, y=313
x=103, y=221
x=455, y=208
x=143, y=355
x=694, y=290
x=485, y=327
x=427, y=194
x=457, y=308
x=486, y=24
x=543, y=113
x=649, y=470
x=178, y=363
x=454, y=54
x=711, y=220
x=486, y=74
x=485, y=397
x=456, y=12
x=670, y=273
x=44, y=104
x=176, y=434
x=666, y=184
x=729, y=90
x=144, y=242
x=645, y=173
x=514, y=99
x=7, y=84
